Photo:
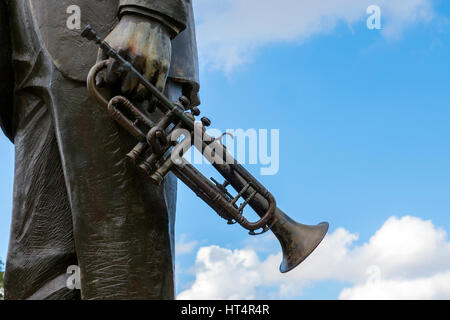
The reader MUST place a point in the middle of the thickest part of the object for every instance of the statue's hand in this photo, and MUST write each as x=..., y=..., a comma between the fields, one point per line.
x=146, y=44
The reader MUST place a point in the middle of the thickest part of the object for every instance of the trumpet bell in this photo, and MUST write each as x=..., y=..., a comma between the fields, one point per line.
x=297, y=240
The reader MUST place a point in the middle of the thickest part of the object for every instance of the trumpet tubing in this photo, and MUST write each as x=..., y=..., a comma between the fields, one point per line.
x=153, y=155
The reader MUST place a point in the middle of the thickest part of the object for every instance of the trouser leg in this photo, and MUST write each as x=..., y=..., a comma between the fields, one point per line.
x=123, y=225
x=41, y=243
x=127, y=253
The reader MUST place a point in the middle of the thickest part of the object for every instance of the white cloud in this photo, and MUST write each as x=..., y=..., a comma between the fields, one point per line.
x=230, y=31
x=433, y=287
x=183, y=246
x=216, y=271
x=406, y=258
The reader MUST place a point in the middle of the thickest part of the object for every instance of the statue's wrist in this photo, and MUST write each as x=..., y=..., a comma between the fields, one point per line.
x=153, y=24
x=143, y=15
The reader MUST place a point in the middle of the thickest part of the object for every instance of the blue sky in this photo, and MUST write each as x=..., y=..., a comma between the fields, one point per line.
x=364, y=144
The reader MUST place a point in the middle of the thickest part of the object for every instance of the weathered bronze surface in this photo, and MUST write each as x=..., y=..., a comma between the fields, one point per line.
x=6, y=73
x=297, y=240
x=76, y=200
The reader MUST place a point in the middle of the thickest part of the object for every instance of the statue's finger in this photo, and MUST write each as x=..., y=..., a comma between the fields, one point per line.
x=100, y=79
x=160, y=83
x=129, y=84
x=101, y=55
x=142, y=93
x=112, y=72
x=115, y=70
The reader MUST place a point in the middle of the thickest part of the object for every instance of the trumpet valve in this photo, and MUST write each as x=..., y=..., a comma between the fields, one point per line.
x=136, y=152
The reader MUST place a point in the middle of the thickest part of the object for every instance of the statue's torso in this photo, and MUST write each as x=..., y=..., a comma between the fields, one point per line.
x=74, y=56
x=71, y=54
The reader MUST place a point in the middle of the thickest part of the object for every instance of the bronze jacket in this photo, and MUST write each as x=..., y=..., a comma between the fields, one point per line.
x=74, y=56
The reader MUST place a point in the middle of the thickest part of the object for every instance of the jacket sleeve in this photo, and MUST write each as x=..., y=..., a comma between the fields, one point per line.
x=6, y=73
x=172, y=13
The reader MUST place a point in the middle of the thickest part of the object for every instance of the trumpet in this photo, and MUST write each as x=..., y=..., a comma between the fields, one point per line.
x=157, y=153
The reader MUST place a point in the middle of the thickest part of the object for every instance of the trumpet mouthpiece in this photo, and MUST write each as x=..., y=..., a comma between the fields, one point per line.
x=89, y=33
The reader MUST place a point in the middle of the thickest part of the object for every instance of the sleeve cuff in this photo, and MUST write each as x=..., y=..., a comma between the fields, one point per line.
x=171, y=13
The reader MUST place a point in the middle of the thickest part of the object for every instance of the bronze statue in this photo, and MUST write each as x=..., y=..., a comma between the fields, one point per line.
x=77, y=200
